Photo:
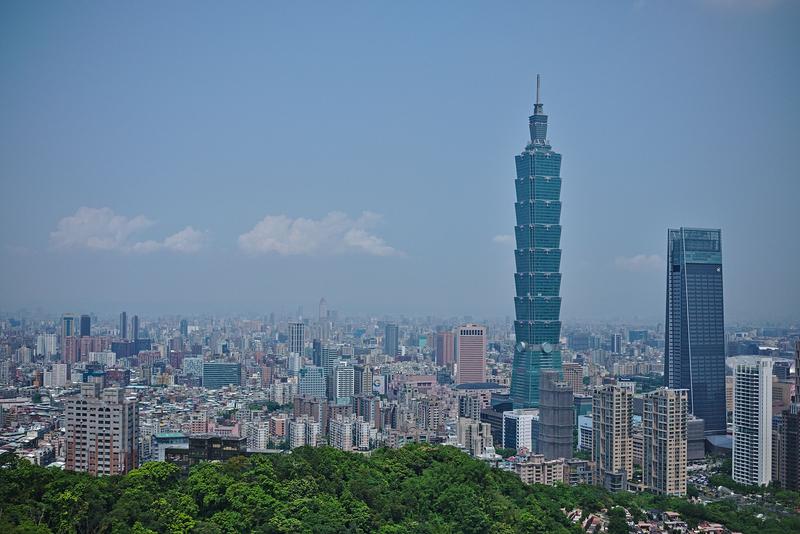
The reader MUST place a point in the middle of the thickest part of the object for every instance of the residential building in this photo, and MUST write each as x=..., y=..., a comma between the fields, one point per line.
x=665, y=447
x=612, y=442
x=518, y=429
x=752, y=421
x=445, y=348
x=102, y=431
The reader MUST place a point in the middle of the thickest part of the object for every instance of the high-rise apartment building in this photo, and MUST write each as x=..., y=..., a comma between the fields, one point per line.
x=123, y=325
x=86, y=326
x=46, y=345
x=752, y=421
x=391, y=340
x=297, y=337
x=102, y=431
x=694, y=344
x=612, y=443
x=538, y=261
x=665, y=441
x=470, y=342
x=343, y=383
x=789, y=472
x=445, y=348
x=556, y=416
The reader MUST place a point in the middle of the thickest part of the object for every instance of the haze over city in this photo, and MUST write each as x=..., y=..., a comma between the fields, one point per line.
x=200, y=158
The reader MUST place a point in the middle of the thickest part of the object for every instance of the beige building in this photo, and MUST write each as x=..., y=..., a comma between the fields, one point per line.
x=474, y=435
x=470, y=354
x=573, y=375
x=612, y=444
x=664, y=427
x=536, y=470
x=102, y=431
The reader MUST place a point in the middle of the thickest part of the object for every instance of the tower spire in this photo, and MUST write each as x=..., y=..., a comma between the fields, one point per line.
x=538, y=108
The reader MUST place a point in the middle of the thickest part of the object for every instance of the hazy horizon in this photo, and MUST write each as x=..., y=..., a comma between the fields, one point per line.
x=199, y=158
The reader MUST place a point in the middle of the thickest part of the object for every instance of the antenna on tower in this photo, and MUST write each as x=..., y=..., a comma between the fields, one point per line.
x=537, y=89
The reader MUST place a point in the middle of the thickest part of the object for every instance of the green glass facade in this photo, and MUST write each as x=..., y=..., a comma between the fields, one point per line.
x=538, y=263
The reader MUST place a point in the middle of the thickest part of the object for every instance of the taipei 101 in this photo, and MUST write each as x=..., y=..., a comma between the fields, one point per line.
x=399, y=268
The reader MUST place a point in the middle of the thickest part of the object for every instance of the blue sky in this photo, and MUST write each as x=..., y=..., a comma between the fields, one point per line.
x=190, y=157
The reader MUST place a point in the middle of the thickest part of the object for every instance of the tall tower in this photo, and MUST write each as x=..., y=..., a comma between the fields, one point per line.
x=789, y=476
x=297, y=337
x=391, y=340
x=470, y=343
x=86, y=326
x=752, y=422
x=694, y=343
x=665, y=441
x=538, y=261
x=123, y=325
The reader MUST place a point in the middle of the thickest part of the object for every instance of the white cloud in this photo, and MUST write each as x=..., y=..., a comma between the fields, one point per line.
x=102, y=229
x=503, y=238
x=336, y=233
x=641, y=263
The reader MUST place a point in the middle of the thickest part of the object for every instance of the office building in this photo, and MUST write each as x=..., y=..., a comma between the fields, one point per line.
x=86, y=326
x=297, y=337
x=470, y=343
x=518, y=429
x=585, y=431
x=184, y=328
x=694, y=345
x=445, y=348
x=752, y=421
x=538, y=260
x=324, y=321
x=665, y=441
x=220, y=374
x=102, y=431
x=789, y=471
x=68, y=327
x=123, y=325
x=312, y=382
x=556, y=416
x=612, y=443
x=391, y=340
x=135, y=328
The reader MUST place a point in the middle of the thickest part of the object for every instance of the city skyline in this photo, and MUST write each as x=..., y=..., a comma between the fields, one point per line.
x=129, y=177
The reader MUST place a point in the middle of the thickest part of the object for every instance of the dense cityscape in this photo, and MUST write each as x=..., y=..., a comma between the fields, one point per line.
x=630, y=408
x=133, y=400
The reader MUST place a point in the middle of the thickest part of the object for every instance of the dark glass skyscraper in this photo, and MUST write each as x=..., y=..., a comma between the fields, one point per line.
x=538, y=262
x=694, y=344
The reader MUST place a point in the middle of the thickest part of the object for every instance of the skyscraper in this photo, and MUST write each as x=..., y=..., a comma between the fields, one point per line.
x=86, y=326
x=789, y=475
x=391, y=342
x=123, y=325
x=324, y=322
x=184, y=327
x=135, y=327
x=68, y=327
x=297, y=337
x=665, y=454
x=470, y=354
x=752, y=422
x=538, y=261
x=694, y=345
x=445, y=348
